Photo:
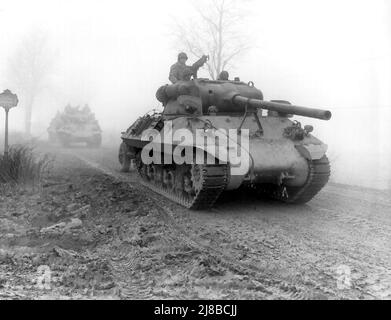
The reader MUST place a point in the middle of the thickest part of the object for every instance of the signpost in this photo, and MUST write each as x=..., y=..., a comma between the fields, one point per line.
x=8, y=100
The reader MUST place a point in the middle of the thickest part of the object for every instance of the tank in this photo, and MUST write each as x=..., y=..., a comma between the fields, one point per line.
x=215, y=136
x=75, y=125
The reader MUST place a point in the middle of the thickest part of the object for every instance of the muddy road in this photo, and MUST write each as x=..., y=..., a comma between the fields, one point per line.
x=133, y=243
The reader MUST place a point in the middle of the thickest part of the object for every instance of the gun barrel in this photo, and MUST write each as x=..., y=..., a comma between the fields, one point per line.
x=283, y=108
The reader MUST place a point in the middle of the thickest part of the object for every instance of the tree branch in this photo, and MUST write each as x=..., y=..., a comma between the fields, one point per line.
x=217, y=33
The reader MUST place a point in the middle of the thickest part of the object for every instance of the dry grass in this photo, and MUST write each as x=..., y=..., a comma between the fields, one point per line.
x=23, y=166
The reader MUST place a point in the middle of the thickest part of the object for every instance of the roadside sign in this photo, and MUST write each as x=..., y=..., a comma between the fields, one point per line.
x=8, y=99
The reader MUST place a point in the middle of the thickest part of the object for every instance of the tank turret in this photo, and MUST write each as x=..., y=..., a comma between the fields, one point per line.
x=232, y=96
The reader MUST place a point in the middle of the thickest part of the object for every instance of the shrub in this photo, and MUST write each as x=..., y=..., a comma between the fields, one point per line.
x=22, y=166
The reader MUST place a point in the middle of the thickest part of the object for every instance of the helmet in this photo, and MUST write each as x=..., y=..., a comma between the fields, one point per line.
x=223, y=75
x=182, y=55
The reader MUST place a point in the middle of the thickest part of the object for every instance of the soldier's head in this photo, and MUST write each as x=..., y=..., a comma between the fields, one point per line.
x=224, y=75
x=182, y=57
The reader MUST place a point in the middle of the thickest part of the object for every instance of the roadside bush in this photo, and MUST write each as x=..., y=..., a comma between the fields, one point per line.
x=22, y=166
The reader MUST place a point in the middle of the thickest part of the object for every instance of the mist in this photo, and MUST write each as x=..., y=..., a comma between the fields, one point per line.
x=114, y=55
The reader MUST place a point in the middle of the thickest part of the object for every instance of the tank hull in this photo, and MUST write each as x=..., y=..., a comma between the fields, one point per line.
x=271, y=163
x=68, y=139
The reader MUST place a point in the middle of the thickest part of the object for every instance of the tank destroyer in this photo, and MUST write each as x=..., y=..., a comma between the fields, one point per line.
x=75, y=125
x=245, y=142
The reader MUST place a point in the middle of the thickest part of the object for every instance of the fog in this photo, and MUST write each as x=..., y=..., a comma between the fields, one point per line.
x=113, y=55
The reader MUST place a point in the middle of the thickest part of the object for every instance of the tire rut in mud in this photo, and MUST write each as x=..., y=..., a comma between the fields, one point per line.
x=269, y=285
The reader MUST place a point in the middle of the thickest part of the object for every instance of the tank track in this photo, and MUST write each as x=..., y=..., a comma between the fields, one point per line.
x=319, y=173
x=213, y=180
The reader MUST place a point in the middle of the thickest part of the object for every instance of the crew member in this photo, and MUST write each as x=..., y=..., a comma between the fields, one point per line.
x=182, y=72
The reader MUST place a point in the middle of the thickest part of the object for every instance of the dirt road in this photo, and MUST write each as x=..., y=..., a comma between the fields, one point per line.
x=140, y=245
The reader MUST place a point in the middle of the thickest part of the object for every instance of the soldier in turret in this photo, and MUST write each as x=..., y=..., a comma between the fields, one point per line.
x=224, y=76
x=182, y=72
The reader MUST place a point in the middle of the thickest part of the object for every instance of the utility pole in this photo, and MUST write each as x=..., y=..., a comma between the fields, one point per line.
x=8, y=100
x=6, y=134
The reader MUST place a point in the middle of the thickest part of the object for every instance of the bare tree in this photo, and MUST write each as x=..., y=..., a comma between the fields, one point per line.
x=216, y=31
x=28, y=70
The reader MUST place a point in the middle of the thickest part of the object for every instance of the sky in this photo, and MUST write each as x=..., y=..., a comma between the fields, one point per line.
x=114, y=54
